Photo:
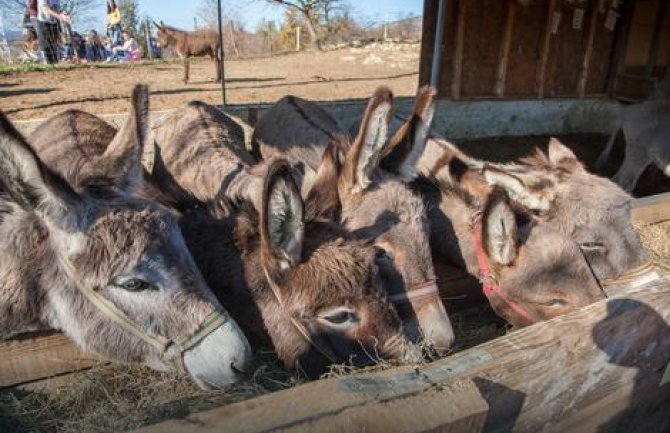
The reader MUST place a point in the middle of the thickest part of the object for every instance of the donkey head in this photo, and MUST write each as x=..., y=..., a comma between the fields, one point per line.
x=378, y=205
x=594, y=211
x=539, y=271
x=123, y=283
x=332, y=303
x=166, y=37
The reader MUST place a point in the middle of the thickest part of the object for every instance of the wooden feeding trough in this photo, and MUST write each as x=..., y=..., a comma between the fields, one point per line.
x=602, y=367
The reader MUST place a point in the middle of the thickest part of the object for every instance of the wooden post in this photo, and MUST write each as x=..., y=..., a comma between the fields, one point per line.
x=586, y=63
x=656, y=36
x=147, y=38
x=596, y=369
x=618, y=59
x=540, y=79
x=501, y=76
x=297, y=38
x=458, y=51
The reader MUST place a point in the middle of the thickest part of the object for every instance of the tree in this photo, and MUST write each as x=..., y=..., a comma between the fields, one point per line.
x=129, y=16
x=312, y=11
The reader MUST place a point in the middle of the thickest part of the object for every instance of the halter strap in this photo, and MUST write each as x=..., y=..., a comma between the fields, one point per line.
x=490, y=285
x=326, y=352
x=417, y=294
x=171, y=350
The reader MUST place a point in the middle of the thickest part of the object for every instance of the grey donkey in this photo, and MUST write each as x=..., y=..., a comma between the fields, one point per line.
x=104, y=265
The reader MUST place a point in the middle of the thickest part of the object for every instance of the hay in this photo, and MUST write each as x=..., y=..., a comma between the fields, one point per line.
x=115, y=398
x=656, y=240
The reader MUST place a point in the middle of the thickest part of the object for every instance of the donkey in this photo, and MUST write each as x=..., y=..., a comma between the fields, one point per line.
x=290, y=275
x=557, y=189
x=374, y=204
x=189, y=44
x=529, y=271
x=301, y=131
x=108, y=268
x=646, y=128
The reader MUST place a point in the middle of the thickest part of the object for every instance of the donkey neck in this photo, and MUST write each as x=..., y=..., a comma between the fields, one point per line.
x=452, y=214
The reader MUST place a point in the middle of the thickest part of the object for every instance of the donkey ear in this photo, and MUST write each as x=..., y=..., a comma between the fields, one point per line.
x=122, y=161
x=535, y=199
x=323, y=199
x=409, y=142
x=499, y=229
x=368, y=147
x=30, y=183
x=282, y=218
x=559, y=153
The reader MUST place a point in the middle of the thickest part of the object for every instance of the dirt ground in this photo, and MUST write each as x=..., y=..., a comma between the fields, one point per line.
x=102, y=89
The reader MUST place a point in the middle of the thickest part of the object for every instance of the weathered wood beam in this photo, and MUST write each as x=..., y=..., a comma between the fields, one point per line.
x=35, y=357
x=501, y=75
x=457, y=69
x=651, y=210
x=597, y=369
x=588, y=53
x=540, y=80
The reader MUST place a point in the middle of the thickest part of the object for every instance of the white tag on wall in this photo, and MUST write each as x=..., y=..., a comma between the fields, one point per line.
x=555, y=22
x=610, y=21
x=578, y=19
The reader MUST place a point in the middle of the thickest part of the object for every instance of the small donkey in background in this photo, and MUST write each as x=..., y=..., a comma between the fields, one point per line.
x=189, y=44
x=646, y=128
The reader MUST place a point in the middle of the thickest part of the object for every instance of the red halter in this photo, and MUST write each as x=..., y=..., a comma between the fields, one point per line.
x=489, y=284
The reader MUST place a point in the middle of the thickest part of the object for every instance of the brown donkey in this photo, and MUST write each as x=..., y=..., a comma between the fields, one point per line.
x=556, y=187
x=294, y=276
x=100, y=263
x=375, y=204
x=189, y=44
x=284, y=271
x=529, y=271
x=306, y=132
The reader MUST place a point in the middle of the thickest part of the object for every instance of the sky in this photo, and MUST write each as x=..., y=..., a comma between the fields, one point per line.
x=251, y=12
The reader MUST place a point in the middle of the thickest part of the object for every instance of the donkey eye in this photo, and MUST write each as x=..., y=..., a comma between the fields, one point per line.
x=133, y=285
x=341, y=317
x=555, y=303
x=592, y=246
x=382, y=254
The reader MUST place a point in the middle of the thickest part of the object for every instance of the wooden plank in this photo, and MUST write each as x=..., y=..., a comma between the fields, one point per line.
x=35, y=357
x=652, y=209
x=546, y=46
x=586, y=63
x=501, y=76
x=457, y=74
x=617, y=351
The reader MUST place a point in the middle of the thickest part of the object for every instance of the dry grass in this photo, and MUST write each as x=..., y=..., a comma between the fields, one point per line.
x=656, y=239
x=116, y=398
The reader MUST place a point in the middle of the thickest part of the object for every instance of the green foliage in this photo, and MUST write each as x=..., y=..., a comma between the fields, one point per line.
x=130, y=19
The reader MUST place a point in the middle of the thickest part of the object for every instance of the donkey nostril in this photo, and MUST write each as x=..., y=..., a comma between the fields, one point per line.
x=239, y=368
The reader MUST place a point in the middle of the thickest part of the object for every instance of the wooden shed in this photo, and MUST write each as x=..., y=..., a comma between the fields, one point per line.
x=535, y=49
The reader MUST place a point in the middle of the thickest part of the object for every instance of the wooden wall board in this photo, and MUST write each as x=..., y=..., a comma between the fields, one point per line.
x=525, y=50
x=484, y=28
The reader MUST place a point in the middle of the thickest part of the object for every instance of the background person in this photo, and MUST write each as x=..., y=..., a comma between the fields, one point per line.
x=48, y=15
x=113, y=23
x=128, y=51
